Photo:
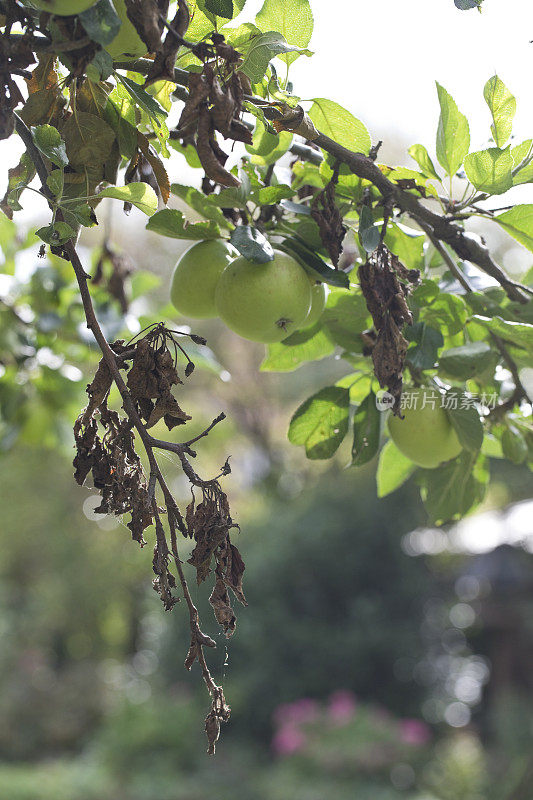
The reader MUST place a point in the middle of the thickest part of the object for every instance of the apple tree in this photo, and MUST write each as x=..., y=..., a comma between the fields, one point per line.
x=323, y=252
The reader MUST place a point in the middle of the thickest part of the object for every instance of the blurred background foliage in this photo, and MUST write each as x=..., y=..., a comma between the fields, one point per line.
x=377, y=659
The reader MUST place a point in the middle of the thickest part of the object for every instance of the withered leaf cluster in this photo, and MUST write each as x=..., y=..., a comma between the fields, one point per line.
x=150, y=380
x=209, y=523
x=385, y=283
x=105, y=447
x=328, y=217
x=215, y=104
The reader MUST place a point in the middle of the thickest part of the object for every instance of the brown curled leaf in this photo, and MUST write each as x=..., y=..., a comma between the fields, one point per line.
x=209, y=152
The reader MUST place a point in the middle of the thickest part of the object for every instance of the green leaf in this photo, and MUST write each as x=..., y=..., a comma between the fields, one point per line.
x=48, y=140
x=56, y=234
x=502, y=106
x=321, y=422
x=100, y=68
x=467, y=360
x=447, y=313
x=146, y=101
x=311, y=262
x=336, y=122
x=81, y=214
x=292, y=18
x=55, y=182
x=309, y=344
x=523, y=162
x=419, y=153
x=120, y=114
x=268, y=195
x=452, y=490
x=172, y=223
x=393, y=469
x=369, y=233
x=464, y=417
x=262, y=50
x=407, y=244
x=367, y=425
x=269, y=148
x=101, y=22
x=251, y=244
x=518, y=333
x=518, y=221
x=139, y=194
x=453, y=134
x=222, y=8
x=200, y=202
x=345, y=318
x=88, y=139
x=514, y=445
x=425, y=353
x=490, y=170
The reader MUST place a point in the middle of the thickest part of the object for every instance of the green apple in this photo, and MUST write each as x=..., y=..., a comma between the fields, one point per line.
x=425, y=434
x=64, y=8
x=196, y=275
x=264, y=302
x=127, y=43
x=318, y=303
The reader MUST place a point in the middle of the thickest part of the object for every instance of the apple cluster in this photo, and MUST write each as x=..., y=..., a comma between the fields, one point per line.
x=261, y=302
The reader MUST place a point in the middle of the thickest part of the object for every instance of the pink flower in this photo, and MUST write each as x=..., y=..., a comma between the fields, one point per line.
x=341, y=708
x=288, y=740
x=297, y=713
x=414, y=731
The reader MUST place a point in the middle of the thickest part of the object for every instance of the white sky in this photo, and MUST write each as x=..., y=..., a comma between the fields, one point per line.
x=380, y=60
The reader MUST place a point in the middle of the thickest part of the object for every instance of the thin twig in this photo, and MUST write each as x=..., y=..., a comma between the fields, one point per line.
x=448, y=260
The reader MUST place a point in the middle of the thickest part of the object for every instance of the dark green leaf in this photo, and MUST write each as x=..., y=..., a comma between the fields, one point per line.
x=146, y=101
x=367, y=425
x=56, y=234
x=101, y=22
x=424, y=354
x=252, y=244
x=222, y=8
x=369, y=233
x=321, y=423
x=48, y=140
x=514, y=445
x=454, y=489
x=464, y=417
x=312, y=262
x=467, y=360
